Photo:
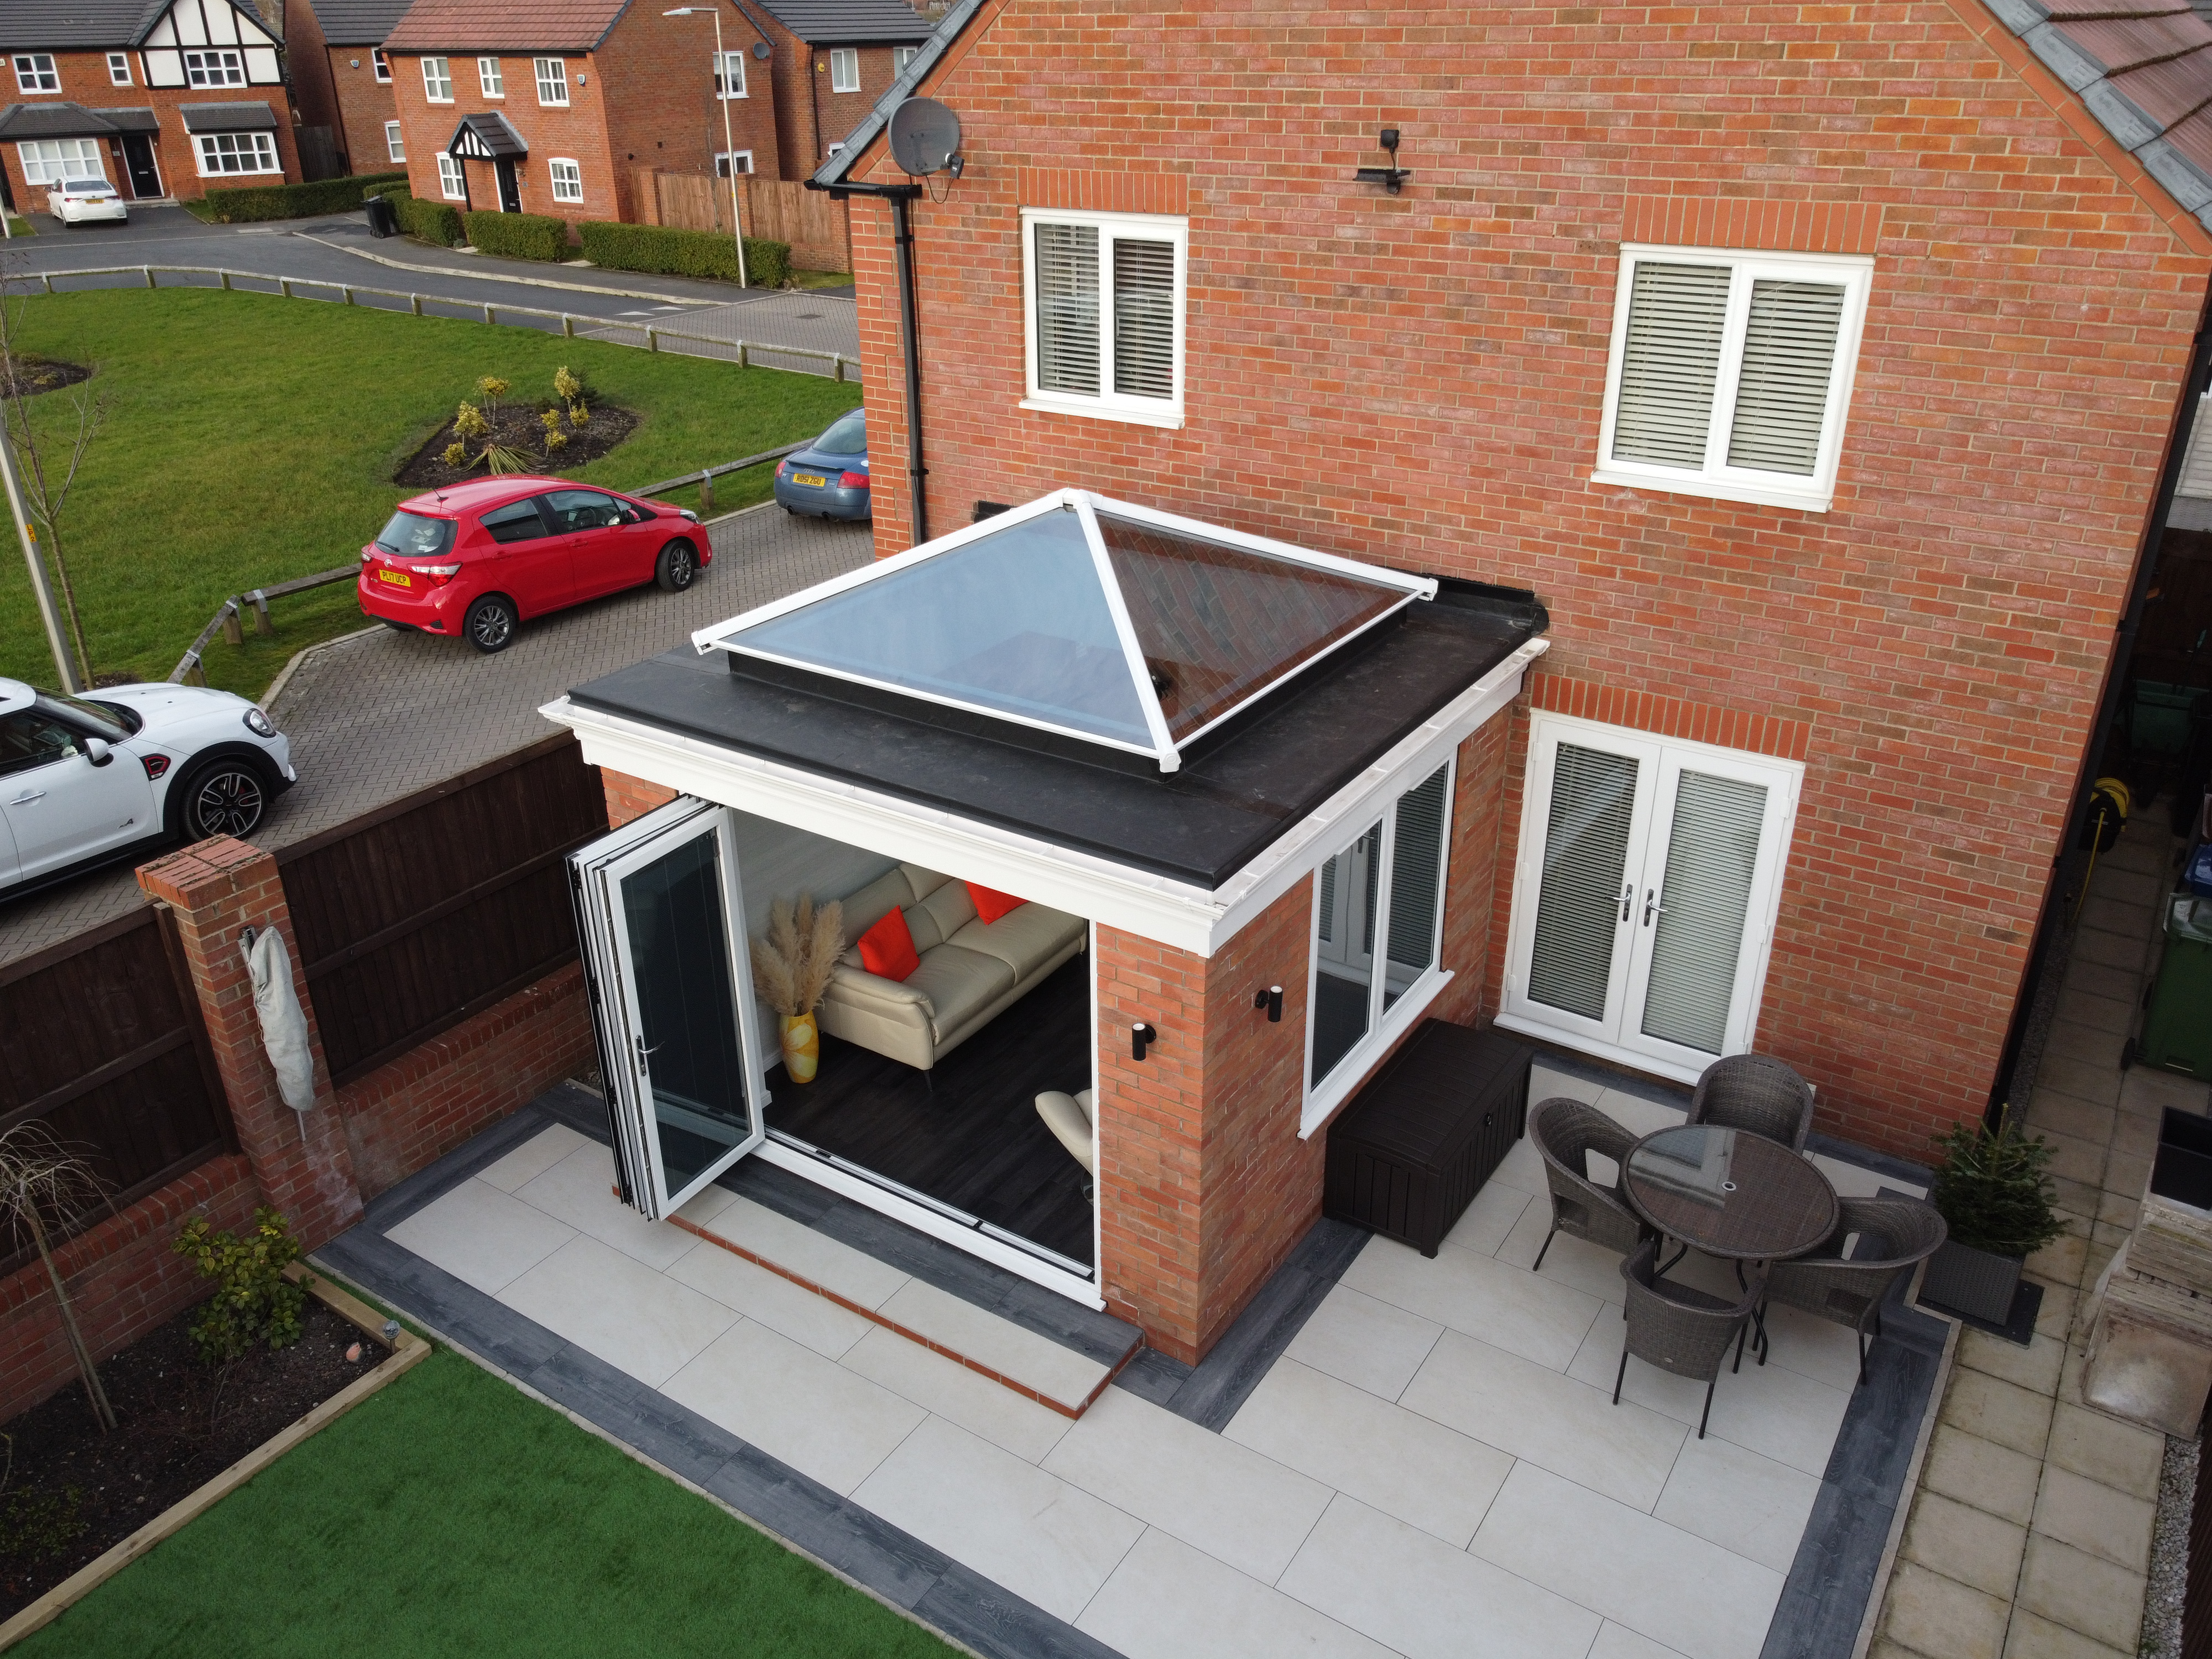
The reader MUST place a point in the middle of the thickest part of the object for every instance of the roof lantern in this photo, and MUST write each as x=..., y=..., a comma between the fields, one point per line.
x=1093, y=618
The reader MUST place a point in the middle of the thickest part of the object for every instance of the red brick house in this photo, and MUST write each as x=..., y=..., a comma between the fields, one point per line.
x=163, y=100
x=553, y=109
x=832, y=60
x=342, y=80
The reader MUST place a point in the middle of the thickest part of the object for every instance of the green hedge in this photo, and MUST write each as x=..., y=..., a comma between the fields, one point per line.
x=428, y=222
x=517, y=235
x=259, y=201
x=683, y=252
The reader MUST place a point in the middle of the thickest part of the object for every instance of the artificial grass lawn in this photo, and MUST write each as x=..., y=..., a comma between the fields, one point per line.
x=451, y=1515
x=251, y=439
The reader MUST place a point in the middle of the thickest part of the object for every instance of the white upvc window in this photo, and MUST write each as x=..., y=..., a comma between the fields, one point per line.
x=845, y=69
x=214, y=68
x=1731, y=373
x=490, y=77
x=729, y=74
x=552, y=80
x=1105, y=312
x=118, y=69
x=379, y=65
x=741, y=160
x=451, y=184
x=1378, y=950
x=438, y=79
x=568, y=179
x=225, y=152
x=1645, y=893
x=35, y=72
x=393, y=143
x=902, y=56
x=58, y=160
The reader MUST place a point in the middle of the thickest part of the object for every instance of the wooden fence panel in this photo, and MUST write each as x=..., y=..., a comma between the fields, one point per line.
x=101, y=1041
x=428, y=911
x=817, y=229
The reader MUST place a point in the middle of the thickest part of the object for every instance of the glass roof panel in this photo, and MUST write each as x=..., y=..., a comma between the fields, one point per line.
x=1217, y=624
x=1015, y=622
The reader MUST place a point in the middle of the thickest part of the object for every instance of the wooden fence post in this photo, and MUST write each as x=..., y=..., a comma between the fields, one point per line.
x=148, y=272
x=232, y=632
x=226, y=282
x=415, y=304
x=706, y=493
x=568, y=326
x=260, y=603
x=652, y=339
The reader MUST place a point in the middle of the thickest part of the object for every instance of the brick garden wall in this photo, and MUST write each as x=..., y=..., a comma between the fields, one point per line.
x=1418, y=380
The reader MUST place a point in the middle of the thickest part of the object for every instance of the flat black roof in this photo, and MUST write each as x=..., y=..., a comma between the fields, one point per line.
x=1202, y=824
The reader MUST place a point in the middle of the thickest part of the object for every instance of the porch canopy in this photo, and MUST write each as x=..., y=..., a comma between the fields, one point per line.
x=487, y=137
x=1167, y=695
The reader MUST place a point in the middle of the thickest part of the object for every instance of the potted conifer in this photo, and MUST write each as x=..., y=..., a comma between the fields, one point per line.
x=1995, y=1197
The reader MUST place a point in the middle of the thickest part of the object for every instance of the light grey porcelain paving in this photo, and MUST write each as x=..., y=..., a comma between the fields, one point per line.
x=1169, y=1601
x=612, y=1305
x=1362, y=1341
x=815, y=1321
x=957, y=1394
x=482, y=1236
x=1506, y=1307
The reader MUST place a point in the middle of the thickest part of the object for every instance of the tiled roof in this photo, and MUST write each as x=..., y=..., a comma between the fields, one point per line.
x=60, y=24
x=358, y=22
x=2144, y=69
x=504, y=24
x=20, y=121
x=228, y=118
x=831, y=22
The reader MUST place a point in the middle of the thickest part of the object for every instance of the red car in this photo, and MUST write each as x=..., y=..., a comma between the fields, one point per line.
x=477, y=558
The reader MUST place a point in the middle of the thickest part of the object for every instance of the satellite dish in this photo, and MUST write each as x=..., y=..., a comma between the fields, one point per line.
x=925, y=136
x=760, y=49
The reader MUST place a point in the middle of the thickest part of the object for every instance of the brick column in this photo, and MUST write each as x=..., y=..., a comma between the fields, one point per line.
x=216, y=888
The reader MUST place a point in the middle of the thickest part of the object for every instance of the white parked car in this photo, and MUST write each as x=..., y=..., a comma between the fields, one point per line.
x=83, y=780
x=81, y=201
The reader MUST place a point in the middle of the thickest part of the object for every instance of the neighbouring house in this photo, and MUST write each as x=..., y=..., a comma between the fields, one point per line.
x=162, y=100
x=342, y=80
x=832, y=60
x=554, y=109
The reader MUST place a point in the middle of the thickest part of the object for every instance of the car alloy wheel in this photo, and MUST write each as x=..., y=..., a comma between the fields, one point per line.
x=490, y=624
x=227, y=801
x=679, y=566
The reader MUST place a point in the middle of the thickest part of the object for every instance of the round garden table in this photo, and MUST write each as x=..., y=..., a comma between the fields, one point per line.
x=1729, y=1193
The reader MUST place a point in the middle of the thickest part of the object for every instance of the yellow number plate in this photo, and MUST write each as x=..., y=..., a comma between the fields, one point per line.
x=397, y=578
x=813, y=479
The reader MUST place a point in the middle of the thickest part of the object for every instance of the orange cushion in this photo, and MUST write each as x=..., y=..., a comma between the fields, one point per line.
x=887, y=948
x=990, y=903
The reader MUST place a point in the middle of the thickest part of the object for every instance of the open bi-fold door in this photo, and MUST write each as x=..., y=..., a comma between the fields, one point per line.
x=661, y=920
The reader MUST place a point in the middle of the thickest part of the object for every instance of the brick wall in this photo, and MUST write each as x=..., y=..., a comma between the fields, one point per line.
x=630, y=797
x=661, y=107
x=577, y=133
x=364, y=105
x=1418, y=380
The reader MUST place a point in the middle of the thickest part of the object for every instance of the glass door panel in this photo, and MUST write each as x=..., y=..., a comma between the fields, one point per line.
x=1345, y=950
x=1417, y=853
x=1592, y=841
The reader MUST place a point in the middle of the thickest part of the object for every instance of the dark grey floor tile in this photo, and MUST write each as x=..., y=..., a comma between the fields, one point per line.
x=430, y=1184
x=894, y=1564
x=997, y=1623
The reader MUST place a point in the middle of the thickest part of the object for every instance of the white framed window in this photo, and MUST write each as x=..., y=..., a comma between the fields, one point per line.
x=1731, y=373
x=1105, y=304
x=729, y=75
x=118, y=69
x=393, y=143
x=57, y=161
x=1645, y=892
x=35, y=72
x=451, y=184
x=214, y=68
x=902, y=56
x=379, y=64
x=222, y=153
x=552, y=80
x=1377, y=951
x=438, y=79
x=490, y=77
x=741, y=160
x=568, y=179
x=845, y=69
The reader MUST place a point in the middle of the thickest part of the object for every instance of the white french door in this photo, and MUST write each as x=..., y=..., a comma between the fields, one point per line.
x=659, y=914
x=1644, y=898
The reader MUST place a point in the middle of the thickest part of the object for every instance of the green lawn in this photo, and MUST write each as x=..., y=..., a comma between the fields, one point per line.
x=252, y=439
x=451, y=1515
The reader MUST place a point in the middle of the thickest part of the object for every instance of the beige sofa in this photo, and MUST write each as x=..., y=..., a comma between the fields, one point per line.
x=971, y=971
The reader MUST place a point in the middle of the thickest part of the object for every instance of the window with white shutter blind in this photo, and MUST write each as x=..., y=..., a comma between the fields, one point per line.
x=1731, y=373
x=1585, y=850
x=1105, y=301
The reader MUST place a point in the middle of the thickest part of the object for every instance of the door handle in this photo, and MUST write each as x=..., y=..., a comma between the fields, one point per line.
x=1651, y=905
x=1627, y=901
x=642, y=1051
x=28, y=797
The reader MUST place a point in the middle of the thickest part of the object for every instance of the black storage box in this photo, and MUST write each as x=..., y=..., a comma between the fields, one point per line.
x=1408, y=1155
x=2184, y=1170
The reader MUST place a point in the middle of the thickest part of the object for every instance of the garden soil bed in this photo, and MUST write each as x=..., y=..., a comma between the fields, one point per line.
x=518, y=426
x=47, y=374
x=179, y=1423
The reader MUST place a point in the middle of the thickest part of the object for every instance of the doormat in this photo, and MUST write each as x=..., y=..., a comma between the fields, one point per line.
x=2020, y=1323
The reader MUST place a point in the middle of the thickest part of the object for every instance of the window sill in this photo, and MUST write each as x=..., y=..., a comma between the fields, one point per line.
x=1104, y=412
x=1804, y=500
x=1634, y=1058
x=1354, y=1068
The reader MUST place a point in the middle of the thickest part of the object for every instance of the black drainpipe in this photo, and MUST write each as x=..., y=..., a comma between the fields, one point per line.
x=2131, y=623
x=909, y=333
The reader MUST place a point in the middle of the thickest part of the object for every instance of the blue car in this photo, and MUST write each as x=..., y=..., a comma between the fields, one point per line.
x=829, y=478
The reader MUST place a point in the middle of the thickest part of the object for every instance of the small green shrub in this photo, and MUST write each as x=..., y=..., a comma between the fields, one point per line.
x=38, y=1525
x=673, y=253
x=258, y=202
x=254, y=1301
x=517, y=235
x=1991, y=1190
x=427, y=222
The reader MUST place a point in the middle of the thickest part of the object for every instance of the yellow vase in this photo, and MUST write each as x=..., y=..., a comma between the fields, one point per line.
x=802, y=1046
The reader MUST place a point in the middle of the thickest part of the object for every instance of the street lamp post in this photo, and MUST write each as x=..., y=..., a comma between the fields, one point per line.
x=729, y=141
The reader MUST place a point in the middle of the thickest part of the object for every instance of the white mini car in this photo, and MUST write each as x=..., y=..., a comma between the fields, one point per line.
x=84, y=779
x=81, y=201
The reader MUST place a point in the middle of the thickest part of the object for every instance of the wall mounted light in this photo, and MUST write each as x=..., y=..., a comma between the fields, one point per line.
x=1272, y=1001
x=1141, y=1036
x=1392, y=177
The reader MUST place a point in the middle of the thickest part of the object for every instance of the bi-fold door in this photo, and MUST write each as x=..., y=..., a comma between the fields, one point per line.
x=672, y=1000
x=1643, y=901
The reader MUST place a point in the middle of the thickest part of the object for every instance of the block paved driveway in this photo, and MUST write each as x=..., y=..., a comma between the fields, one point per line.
x=383, y=715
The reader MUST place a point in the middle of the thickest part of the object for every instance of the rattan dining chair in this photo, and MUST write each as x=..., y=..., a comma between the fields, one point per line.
x=1566, y=1132
x=1758, y=1094
x=1894, y=1234
x=1679, y=1329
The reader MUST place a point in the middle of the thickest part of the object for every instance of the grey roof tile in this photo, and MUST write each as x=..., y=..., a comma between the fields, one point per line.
x=61, y=24
x=358, y=22
x=830, y=22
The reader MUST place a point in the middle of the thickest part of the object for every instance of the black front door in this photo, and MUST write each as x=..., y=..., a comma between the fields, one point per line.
x=138, y=159
x=510, y=193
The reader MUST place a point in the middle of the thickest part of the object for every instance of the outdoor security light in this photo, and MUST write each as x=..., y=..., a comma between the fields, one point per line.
x=1272, y=1001
x=1140, y=1035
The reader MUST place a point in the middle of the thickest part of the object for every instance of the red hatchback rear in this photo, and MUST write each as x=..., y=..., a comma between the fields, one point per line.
x=476, y=559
